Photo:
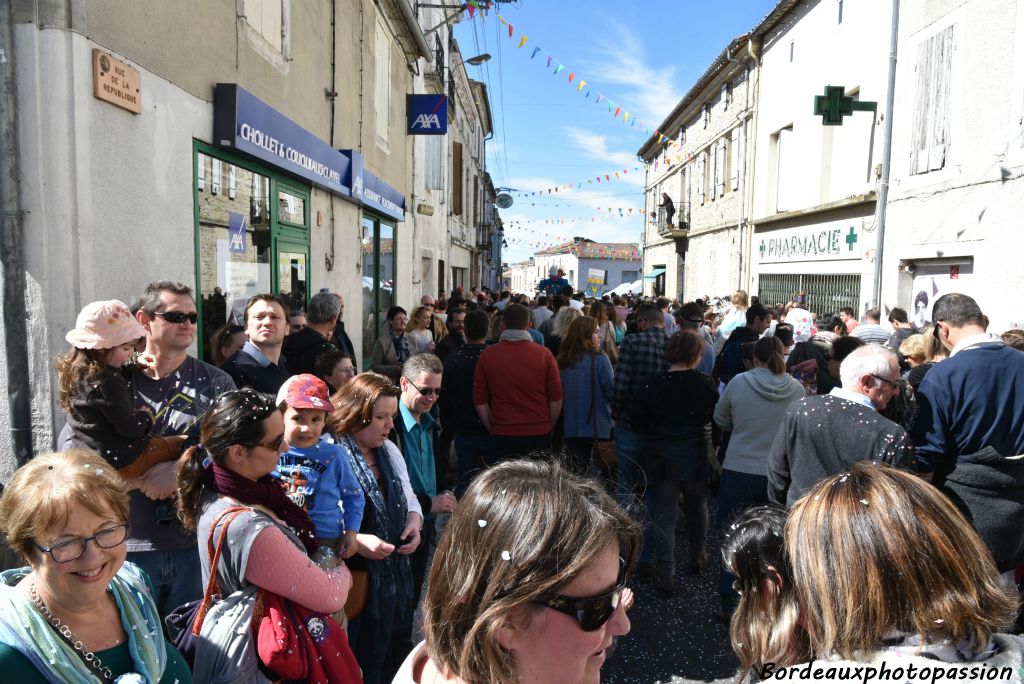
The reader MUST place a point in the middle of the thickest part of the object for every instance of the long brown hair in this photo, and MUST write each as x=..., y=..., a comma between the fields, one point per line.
x=353, y=403
x=79, y=366
x=768, y=350
x=878, y=549
x=578, y=342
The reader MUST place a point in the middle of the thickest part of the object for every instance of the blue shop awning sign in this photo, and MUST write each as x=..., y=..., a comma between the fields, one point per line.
x=244, y=123
x=370, y=191
x=654, y=274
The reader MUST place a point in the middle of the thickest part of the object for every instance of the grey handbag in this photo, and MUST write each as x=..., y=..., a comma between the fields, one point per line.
x=226, y=650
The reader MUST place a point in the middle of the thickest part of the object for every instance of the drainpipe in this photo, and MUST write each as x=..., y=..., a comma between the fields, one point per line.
x=12, y=251
x=415, y=29
x=883, y=184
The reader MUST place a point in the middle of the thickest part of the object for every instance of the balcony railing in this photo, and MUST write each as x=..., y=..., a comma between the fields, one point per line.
x=680, y=222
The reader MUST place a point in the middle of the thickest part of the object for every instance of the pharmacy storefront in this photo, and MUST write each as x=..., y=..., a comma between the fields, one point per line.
x=823, y=260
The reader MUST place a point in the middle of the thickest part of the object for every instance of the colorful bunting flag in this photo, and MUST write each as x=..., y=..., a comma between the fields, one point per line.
x=522, y=41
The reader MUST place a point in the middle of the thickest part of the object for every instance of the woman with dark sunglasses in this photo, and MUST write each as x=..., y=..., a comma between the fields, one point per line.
x=528, y=582
x=269, y=544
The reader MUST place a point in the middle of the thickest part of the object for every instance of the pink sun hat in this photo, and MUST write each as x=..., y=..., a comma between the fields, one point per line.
x=105, y=325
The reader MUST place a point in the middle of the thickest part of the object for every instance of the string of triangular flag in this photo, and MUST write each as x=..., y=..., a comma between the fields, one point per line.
x=614, y=108
x=608, y=177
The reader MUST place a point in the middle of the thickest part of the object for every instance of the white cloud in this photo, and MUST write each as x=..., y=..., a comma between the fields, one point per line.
x=645, y=91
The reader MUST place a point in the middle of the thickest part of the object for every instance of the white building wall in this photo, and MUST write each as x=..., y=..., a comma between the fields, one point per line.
x=799, y=162
x=967, y=212
x=819, y=176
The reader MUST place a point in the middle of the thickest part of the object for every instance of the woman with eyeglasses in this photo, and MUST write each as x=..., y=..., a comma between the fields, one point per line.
x=381, y=608
x=528, y=582
x=79, y=612
x=269, y=544
x=336, y=369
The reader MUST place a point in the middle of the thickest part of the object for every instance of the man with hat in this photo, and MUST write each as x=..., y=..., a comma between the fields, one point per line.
x=555, y=283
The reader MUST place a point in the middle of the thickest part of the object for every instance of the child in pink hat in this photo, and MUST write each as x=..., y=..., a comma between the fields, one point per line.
x=96, y=394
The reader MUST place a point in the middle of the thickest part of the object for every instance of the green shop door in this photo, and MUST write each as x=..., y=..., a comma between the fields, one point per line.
x=293, y=273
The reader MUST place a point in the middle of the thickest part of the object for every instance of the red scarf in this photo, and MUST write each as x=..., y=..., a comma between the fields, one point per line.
x=268, y=493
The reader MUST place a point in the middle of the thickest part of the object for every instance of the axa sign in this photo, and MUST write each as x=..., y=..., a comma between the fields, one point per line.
x=428, y=114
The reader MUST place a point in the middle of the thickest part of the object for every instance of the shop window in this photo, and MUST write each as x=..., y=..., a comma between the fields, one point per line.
x=247, y=244
x=378, y=266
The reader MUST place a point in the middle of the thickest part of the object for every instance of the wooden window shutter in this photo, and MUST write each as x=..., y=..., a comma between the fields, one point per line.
x=457, y=178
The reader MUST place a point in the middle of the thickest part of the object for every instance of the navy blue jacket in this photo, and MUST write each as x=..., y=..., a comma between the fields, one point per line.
x=973, y=400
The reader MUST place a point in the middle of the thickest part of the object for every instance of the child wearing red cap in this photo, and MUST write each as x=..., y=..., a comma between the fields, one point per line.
x=315, y=472
x=98, y=398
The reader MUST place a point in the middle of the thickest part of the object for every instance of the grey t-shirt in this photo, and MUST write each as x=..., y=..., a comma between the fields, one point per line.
x=178, y=401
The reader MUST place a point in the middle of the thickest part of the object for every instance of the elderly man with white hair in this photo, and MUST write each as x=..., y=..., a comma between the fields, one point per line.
x=825, y=435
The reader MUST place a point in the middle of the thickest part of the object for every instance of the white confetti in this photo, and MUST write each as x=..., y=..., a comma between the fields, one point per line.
x=505, y=555
x=481, y=523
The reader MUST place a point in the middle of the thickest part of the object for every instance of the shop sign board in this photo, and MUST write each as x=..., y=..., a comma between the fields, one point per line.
x=116, y=82
x=427, y=114
x=833, y=241
x=369, y=190
x=244, y=123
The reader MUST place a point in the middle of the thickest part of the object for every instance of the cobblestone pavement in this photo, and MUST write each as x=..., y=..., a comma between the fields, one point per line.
x=680, y=640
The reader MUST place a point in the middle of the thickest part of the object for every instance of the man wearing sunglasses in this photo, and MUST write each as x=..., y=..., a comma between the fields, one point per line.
x=413, y=432
x=826, y=434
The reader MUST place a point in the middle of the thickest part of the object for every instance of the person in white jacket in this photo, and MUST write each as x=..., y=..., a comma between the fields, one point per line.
x=751, y=409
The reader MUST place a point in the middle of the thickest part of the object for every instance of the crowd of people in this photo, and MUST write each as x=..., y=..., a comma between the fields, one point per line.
x=509, y=464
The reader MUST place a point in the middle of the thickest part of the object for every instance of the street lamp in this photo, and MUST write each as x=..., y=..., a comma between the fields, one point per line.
x=478, y=60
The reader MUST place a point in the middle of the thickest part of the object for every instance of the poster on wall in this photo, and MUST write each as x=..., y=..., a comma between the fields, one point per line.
x=933, y=281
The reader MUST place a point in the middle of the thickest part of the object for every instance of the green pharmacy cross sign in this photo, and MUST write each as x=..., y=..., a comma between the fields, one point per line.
x=835, y=104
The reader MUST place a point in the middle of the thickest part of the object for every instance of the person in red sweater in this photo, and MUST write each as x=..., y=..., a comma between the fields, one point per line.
x=516, y=389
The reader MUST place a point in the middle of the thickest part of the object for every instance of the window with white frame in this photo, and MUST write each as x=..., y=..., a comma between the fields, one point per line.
x=735, y=143
x=720, y=166
x=267, y=27
x=382, y=83
x=702, y=181
x=930, y=134
x=435, y=161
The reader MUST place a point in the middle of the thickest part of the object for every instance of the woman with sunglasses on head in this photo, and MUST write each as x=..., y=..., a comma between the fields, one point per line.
x=269, y=544
x=381, y=608
x=528, y=582
x=79, y=612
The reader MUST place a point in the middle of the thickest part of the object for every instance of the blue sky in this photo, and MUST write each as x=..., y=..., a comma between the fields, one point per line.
x=643, y=56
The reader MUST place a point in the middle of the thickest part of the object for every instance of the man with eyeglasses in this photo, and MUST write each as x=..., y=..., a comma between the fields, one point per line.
x=826, y=434
x=420, y=383
x=967, y=427
x=178, y=388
